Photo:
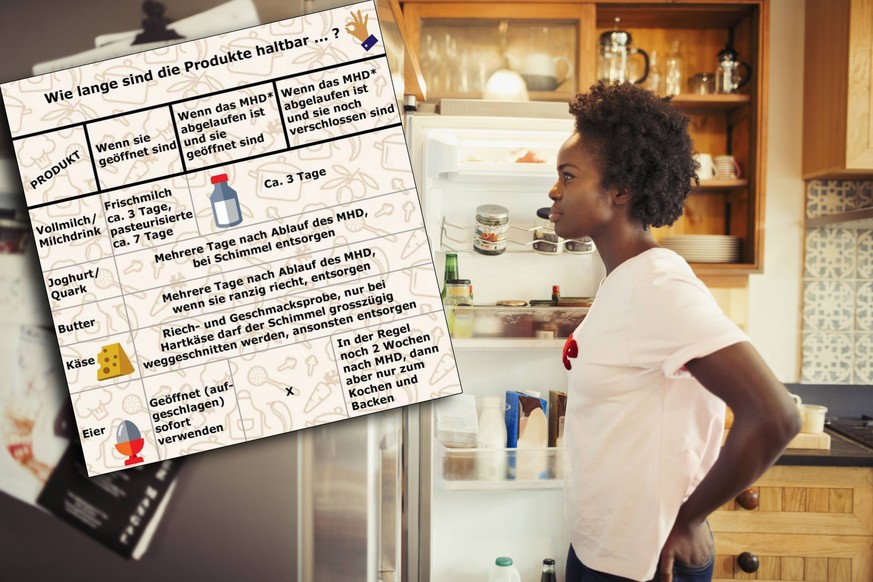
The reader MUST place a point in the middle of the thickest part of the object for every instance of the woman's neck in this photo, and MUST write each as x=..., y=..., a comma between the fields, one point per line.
x=622, y=244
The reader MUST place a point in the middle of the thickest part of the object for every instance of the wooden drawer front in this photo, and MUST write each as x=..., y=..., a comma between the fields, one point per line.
x=795, y=557
x=805, y=500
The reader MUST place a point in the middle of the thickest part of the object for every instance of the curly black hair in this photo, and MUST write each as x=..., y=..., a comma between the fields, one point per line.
x=642, y=145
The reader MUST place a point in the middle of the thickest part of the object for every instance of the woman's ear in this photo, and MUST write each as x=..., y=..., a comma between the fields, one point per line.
x=621, y=196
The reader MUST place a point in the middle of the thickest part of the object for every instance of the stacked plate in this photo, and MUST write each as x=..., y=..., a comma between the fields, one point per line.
x=705, y=248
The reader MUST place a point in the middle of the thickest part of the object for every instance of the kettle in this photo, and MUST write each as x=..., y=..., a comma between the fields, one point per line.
x=728, y=75
x=614, y=63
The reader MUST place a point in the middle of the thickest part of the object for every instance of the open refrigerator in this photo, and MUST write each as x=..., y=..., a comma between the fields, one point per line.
x=460, y=163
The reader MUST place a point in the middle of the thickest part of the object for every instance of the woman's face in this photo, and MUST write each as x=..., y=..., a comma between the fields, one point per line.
x=579, y=206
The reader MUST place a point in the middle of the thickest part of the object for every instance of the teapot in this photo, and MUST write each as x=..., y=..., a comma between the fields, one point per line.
x=728, y=77
x=613, y=58
x=540, y=70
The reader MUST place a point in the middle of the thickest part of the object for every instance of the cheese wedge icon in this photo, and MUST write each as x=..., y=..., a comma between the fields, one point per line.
x=113, y=362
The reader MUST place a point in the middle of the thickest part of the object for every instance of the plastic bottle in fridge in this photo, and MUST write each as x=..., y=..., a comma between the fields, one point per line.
x=491, y=462
x=504, y=571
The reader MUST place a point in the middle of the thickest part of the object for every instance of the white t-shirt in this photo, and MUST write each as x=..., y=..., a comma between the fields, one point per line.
x=640, y=431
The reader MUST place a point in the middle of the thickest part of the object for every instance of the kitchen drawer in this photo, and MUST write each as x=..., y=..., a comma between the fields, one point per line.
x=805, y=500
x=810, y=523
x=821, y=558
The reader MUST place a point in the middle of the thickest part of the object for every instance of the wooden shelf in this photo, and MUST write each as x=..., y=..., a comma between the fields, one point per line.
x=718, y=185
x=692, y=102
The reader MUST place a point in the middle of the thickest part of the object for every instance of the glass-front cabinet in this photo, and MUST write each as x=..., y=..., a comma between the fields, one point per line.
x=710, y=56
x=459, y=58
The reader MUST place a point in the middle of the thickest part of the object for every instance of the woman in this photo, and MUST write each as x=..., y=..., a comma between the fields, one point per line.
x=655, y=360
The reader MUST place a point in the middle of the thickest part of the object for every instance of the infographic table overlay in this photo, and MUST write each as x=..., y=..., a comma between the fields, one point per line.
x=230, y=238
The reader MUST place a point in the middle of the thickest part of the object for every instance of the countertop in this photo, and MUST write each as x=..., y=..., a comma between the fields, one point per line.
x=843, y=453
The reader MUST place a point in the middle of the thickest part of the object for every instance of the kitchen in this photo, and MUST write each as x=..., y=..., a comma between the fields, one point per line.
x=770, y=306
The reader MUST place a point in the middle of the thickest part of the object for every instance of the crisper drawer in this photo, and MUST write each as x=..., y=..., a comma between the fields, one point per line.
x=821, y=558
x=805, y=500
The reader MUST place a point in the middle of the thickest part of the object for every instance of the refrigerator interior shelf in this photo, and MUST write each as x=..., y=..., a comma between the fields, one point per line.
x=502, y=485
x=465, y=469
x=526, y=344
x=499, y=326
x=478, y=172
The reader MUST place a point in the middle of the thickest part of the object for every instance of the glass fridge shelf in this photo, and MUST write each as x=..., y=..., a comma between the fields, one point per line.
x=462, y=469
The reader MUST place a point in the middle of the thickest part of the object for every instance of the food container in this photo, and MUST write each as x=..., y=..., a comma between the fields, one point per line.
x=545, y=240
x=516, y=322
x=487, y=323
x=813, y=418
x=492, y=223
x=579, y=246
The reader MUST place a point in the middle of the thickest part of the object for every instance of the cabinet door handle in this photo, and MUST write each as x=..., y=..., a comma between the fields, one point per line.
x=748, y=499
x=748, y=562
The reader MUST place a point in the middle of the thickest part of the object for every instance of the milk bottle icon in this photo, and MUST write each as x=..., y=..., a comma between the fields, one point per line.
x=225, y=203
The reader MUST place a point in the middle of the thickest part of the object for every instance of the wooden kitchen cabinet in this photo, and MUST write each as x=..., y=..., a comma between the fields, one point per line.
x=720, y=124
x=838, y=89
x=811, y=523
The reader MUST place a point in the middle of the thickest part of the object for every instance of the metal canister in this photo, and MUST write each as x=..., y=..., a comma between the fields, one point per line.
x=492, y=224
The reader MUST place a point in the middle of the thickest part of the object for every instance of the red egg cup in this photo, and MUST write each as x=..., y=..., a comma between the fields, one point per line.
x=130, y=449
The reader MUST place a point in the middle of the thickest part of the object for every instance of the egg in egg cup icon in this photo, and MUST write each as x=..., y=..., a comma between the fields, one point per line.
x=129, y=442
x=113, y=362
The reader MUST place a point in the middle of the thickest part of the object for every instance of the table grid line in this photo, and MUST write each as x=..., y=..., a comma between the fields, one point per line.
x=218, y=92
x=232, y=308
x=212, y=166
x=435, y=311
x=268, y=221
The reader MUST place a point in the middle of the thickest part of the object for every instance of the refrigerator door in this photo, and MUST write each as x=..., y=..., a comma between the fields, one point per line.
x=461, y=163
x=351, y=500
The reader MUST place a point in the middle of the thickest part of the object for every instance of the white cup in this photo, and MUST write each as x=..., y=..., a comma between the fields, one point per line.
x=813, y=417
x=706, y=171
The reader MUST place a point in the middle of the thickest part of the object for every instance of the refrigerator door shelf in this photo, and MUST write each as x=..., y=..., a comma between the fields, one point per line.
x=459, y=238
x=459, y=469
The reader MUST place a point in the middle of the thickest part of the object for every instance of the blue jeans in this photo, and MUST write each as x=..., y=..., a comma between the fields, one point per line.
x=579, y=572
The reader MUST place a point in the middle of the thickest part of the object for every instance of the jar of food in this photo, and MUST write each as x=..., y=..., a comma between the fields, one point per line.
x=459, y=312
x=545, y=239
x=492, y=223
x=580, y=246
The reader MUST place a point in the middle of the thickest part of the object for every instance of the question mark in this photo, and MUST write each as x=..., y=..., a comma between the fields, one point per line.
x=336, y=32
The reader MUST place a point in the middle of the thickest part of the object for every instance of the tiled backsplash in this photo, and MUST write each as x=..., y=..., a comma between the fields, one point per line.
x=838, y=288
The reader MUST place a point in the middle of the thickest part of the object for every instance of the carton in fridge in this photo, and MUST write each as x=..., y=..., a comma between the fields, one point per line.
x=527, y=431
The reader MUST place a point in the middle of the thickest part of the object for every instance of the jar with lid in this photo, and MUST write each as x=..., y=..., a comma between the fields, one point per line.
x=545, y=239
x=492, y=224
x=459, y=315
